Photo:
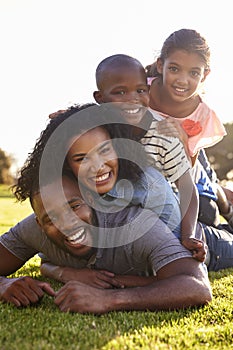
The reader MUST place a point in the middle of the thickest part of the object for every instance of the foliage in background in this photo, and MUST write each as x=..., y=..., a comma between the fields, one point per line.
x=44, y=327
x=6, y=162
x=221, y=155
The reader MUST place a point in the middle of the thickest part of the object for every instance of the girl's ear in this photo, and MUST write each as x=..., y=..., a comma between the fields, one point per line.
x=206, y=72
x=98, y=97
x=159, y=65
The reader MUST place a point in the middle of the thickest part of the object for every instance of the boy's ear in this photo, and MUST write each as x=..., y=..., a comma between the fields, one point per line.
x=159, y=66
x=206, y=72
x=98, y=97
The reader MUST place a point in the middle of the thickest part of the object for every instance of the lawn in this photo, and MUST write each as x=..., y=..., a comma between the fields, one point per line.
x=44, y=327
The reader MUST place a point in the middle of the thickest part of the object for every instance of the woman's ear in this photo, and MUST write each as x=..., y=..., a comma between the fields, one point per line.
x=98, y=97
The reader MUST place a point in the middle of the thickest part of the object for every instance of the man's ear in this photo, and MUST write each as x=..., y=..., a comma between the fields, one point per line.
x=159, y=66
x=38, y=222
x=206, y=72
x=98, y=97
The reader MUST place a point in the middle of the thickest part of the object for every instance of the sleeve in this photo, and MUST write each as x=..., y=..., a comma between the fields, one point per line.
x=159, y=247
x=167, y=154
x=21, y=240
x=203, y=159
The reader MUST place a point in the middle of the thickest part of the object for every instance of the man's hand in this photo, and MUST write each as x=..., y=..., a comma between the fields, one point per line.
x=23, y=291
x=197, y=247
x=78, y=297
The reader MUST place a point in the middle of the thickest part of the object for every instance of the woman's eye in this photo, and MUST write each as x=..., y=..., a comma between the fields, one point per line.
x=79, y=160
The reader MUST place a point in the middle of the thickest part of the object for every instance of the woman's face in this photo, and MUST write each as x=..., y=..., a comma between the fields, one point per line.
x=93, y=160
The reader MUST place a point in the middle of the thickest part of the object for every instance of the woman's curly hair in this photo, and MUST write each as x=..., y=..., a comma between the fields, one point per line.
x=50, y=149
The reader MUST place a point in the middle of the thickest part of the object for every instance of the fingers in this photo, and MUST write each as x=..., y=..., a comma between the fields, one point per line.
x=25, y=291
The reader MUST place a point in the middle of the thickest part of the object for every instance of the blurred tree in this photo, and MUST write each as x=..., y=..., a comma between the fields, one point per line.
x=221, y=155
x=5, y=165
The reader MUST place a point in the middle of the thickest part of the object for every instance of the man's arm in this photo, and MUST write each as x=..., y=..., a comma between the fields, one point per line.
x=173, y=290
x=94, y=278
x=20, y=291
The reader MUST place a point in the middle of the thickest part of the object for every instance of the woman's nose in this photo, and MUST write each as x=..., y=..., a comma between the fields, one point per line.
x=97, y=164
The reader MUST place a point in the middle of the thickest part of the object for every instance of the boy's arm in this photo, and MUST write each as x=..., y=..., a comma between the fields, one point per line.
x=189, y=204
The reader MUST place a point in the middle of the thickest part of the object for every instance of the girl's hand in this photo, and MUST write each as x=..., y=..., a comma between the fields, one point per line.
x=171, y=127
x=197, y=247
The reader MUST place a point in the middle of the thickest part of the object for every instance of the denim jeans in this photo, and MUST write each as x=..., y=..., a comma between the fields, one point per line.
x=220, y=245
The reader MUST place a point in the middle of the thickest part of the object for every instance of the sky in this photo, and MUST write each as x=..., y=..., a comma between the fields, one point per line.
x=51, y=48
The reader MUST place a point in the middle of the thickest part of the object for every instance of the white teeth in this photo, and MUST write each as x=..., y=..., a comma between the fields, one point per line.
x=77, y=237
x=102, y=177
x=180, y=90
x=132, y=111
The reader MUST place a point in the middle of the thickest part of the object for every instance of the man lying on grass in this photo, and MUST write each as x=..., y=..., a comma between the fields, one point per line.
x=161, y=273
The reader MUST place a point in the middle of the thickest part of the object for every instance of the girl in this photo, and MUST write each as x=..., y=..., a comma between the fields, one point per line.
x=176, y=79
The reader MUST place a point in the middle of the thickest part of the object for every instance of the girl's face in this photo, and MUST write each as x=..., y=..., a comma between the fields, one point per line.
x=93, y=160
x=183, y=73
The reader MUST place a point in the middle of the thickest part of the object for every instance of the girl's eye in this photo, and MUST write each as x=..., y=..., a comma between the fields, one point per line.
x=173, y=69
x=195, y=73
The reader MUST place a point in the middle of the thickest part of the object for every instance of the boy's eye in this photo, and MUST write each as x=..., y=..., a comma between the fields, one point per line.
x=120, y=92
x=141, y=91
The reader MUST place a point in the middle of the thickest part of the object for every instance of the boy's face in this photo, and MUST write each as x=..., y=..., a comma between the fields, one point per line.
x=93, y=160
x=64, y=216
x=125, y=86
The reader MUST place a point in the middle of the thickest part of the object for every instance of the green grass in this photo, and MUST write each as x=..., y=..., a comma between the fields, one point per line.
x=44, y=327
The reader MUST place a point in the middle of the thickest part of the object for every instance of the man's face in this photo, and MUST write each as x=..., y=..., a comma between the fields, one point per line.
x=64, y=216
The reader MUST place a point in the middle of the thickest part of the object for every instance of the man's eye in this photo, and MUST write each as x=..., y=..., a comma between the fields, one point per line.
x=76, y=206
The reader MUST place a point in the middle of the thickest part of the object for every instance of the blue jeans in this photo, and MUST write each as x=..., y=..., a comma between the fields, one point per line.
x=220, y=244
